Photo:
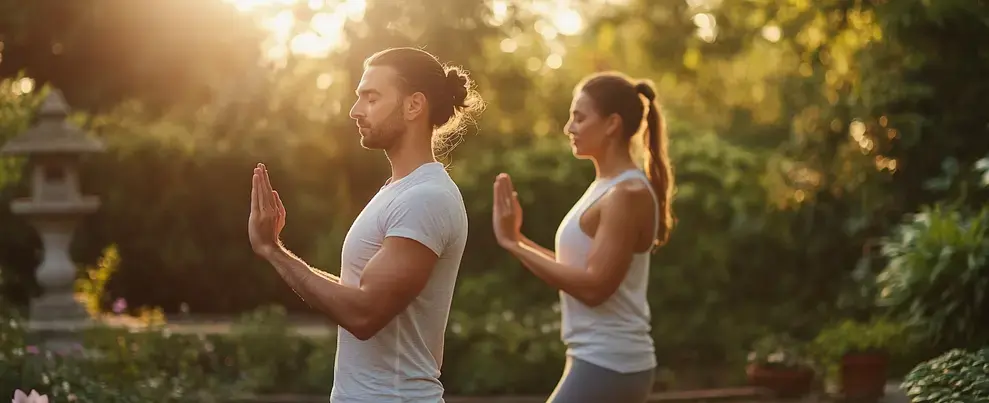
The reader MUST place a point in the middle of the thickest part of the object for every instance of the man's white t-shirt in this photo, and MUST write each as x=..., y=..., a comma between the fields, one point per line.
x=401, y=363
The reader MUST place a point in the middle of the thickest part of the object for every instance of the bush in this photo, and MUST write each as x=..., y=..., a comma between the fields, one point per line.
x=937, y=275
x=957, y=376
x=116, y=367
x=780, y=351
x=880, y=335
x=262, y=355
x=153, y=364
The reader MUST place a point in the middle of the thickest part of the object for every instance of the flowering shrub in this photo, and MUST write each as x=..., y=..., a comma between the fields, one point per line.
x=34, y=397
x=261, y=355
x=780, y=351
x=118, y=366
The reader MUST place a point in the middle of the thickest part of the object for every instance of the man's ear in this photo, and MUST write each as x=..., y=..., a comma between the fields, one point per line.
x=414, y=105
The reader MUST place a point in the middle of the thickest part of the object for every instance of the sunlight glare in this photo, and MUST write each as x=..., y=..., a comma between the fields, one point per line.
x=703, y=4
x=499, y=12
x=277, y=52
x=883, y=163
x=568, y=22
x=327, y=27
x=246, y=5
x=27, y=85
x=707, y=34
x=355, y=9
x=554, y=61
x=772, y=33
x=280, y=25
x=318, y=37
x=857, y=130
x=705, y=20
x=545, y=29
x=250, y=5
x=508, y=45
x=310, y=44
x=23, y=86
x=324, y=81
x=707, y=27
x=534, y=64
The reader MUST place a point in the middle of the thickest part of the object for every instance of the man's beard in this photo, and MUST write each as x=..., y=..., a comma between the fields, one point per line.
x=386, y=134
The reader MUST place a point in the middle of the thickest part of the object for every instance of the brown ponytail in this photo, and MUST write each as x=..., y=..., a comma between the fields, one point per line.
x=657, y=160
x=614, y=93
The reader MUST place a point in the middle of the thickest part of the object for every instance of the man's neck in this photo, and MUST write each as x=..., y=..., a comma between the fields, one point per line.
x=409, y=155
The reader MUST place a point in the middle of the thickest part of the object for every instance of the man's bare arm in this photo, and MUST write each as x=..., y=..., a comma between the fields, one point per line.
x=391, y=280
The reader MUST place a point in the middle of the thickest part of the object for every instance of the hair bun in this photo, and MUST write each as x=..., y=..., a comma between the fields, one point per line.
x=457, y=82
x=645, y=88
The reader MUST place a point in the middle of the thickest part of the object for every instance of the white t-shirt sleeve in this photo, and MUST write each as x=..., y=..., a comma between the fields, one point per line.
x=426, y=215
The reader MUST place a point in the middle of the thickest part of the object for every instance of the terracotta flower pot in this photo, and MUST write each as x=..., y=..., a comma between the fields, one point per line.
x=785, y=382
x=863, y=375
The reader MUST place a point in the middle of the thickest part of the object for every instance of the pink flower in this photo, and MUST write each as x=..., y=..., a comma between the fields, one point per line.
x=34, y=397
x=32, y=349
x=119, y=305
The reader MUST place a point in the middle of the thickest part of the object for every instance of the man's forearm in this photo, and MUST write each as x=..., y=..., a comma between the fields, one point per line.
x=346, y=306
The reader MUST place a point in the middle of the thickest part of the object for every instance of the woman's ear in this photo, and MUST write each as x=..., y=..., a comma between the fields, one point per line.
x=613, y=125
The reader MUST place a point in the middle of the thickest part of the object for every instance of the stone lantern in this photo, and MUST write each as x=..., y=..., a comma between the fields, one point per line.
x=52, y=148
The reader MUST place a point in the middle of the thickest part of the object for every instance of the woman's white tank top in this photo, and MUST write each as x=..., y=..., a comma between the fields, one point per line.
x=617, y=333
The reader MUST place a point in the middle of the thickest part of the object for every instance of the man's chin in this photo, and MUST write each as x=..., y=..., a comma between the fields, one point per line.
x=370, y=144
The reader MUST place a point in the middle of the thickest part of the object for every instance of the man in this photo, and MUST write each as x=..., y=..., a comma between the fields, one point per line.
x=401, y=256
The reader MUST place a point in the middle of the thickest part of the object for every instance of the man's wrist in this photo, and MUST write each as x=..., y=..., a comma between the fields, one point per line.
x=270, y=252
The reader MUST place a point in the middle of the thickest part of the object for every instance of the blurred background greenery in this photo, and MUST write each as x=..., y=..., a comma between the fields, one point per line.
x=805, y=137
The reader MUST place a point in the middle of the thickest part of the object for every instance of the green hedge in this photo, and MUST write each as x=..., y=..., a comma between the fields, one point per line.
x=261, y=355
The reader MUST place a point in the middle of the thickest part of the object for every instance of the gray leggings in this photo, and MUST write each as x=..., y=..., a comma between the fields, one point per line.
x=583, y=382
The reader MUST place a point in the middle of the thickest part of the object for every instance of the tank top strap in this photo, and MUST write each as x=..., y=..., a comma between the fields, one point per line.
x=636, y=173
x=602, y=188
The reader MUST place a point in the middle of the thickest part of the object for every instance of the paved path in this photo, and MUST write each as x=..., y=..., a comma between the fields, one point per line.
x=304, y=327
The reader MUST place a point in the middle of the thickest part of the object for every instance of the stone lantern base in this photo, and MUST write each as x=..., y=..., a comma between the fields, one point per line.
x=56, y=318
x=57, y=307
x=57, y=321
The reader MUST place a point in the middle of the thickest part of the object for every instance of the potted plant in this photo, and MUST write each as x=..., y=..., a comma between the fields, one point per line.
x=779, y=363
x=858, y=353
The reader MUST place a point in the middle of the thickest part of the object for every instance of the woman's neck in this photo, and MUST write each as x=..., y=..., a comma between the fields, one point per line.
x=612, y=163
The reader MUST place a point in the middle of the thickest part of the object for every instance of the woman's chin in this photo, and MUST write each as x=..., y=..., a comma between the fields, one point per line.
x=578, y=154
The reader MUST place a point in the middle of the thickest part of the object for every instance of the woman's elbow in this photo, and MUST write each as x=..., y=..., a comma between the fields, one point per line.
x=364, y=329
x=594, y=297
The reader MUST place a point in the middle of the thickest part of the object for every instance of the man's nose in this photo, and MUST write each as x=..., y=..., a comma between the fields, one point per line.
x=356, y=113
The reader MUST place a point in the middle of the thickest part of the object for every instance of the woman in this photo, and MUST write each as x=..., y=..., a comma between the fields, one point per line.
x=603, y=245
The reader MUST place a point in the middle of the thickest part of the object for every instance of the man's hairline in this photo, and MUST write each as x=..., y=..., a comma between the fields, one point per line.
x=401, y=82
